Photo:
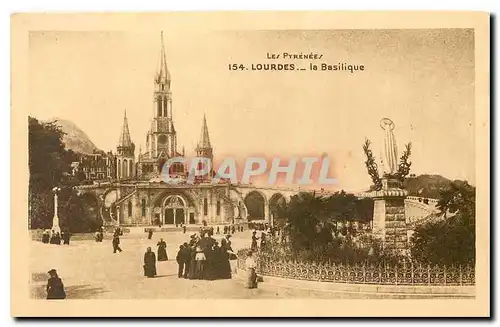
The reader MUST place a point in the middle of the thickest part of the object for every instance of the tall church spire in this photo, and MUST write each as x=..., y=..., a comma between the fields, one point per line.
x=125, y=140
x=204, y=148
x=204, y=137
x=163, y=75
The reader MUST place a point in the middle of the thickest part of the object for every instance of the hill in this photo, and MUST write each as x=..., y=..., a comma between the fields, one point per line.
x=74, y=138
x=426, y=185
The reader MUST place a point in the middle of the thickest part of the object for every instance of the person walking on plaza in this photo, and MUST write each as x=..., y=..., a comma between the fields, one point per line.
x=46, y=237
x=149, y=263
x=254, y=241
x=217, y=232
x=250, y=265
x=150, y=234
x=162, y=250
x=184, y=229
x=181, y=261
x=66, y=237
x=233, y=230
x=55, y=287
x=116, y=243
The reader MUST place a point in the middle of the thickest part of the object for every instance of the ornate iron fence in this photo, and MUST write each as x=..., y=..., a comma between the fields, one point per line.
x=383, y=274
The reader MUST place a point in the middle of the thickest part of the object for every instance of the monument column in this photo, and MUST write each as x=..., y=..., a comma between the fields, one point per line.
x=389, y=222
x=55, y=220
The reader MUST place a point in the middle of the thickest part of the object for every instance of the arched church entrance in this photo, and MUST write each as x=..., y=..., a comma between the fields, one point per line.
x=175, y=210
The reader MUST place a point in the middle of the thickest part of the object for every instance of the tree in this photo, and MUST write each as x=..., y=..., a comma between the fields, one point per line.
x=46, y=165
x=458, y=197
x=49, y=166
x=310, y=216
x=371, y=166
x=78, y=214
x=452, y=240
x=305, y=210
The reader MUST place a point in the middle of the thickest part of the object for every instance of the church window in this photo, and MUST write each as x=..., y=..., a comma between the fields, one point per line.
x=165, y=107
x=158, y=103
x=205, y=207
x=218, y=207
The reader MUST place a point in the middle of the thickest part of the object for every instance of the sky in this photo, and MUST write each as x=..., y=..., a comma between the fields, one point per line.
x=423, y=80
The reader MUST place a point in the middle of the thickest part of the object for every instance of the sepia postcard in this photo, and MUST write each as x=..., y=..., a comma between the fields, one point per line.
x=250, y=164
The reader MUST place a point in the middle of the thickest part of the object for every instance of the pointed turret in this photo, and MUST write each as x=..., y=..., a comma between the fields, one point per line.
x=204, y=148
x=125, y=153
x=163, y=75
x=204, y=137
x=125, y=140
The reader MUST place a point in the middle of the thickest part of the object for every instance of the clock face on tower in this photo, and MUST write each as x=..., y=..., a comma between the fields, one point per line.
x=162, y=139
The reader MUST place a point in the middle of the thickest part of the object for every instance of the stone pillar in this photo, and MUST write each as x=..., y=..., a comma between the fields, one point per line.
x=266, y=211
x=389, y=221
x=379, y=218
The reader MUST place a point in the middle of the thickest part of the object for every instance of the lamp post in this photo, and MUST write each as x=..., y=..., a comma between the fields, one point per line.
x=55, y=220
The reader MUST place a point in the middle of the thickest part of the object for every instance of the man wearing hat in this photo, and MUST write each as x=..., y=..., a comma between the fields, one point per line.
x=55, y=287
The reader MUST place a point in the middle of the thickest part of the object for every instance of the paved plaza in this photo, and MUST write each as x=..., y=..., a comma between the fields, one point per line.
x=91, y=270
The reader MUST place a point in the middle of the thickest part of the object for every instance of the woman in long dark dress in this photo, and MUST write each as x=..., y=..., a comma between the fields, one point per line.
x=162, y=250
x=225, y=265
x=192, y=274
x=46, y=237
x=149, y=263
x=55, y=287
x=210, y=267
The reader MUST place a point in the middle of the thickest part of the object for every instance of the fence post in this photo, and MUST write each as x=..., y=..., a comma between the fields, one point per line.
x=460, y=270
x=364, y=274
x=412, y=272
x=396, y=273
x=444, y=275
x=428, y=274
x=379, y=274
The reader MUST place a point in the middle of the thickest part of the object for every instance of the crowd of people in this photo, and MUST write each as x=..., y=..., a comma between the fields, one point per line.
x=202, y=257
x=53, y=237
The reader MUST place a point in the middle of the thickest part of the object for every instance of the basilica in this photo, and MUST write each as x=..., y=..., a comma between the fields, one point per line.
x=137, y=193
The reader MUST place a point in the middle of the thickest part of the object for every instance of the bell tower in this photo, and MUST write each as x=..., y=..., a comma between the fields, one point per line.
x=162, y=138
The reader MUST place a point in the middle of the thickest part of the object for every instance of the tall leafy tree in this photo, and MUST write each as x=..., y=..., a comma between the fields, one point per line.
x=47, y=165
x=452, y=240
